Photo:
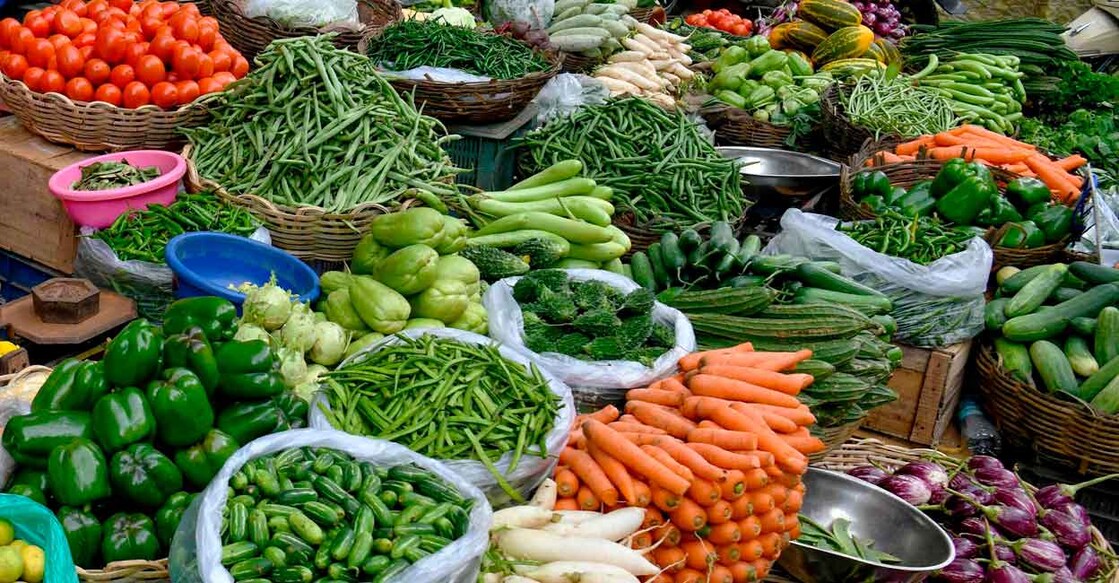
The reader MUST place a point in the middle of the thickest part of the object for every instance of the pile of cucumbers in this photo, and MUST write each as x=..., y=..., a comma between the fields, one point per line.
x=693, y=260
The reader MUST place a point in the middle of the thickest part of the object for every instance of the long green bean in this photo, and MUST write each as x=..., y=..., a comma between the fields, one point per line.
x=894, y=106
x=412, y=43
x=317, y=125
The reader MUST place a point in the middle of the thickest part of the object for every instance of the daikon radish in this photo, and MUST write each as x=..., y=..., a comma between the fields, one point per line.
x=521, y=517
x=491, y=578
x=519, y=579
x=545, y=496
x=681, y=71
x=673, y=79
x=538, y=545
x=617, y=86
x=627, y=56
x=633, y=45
x=656, y=33
x=577, y=516
x=568, y=571
x=614, y=526
x=627, y=74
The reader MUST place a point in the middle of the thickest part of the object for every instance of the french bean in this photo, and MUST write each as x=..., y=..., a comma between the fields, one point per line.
x=894, y=106
x=412, y=43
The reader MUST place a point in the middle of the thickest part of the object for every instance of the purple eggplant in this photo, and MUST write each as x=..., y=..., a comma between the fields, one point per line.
x=1012, y=521
x=1085, y=563
x=961, y=480
x=1000, y=572
x=1069, y=532
x=958, y=507
x=933, y=474
x=869, y=474
x=997, y=478
x=1005, y=553
x=965, y=547
x=939, y=494
x=978, y=527
x=1015, y=497
x=912, y=489
x=1058, y=494
x=962, y=571
x=1074, y=510
x=1063, y=575
x=1041, y=555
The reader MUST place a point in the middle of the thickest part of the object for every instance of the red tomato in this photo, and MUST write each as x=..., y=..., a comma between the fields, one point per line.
x=111, y=45
x=208, y=85
x=207, y=34
x=123, y=5
x=77, y=6
x=39, y=26
x=21, y=40
x=240, y=67
x=134, y=52
x=169, y=9
x=132, y=24
x=108, y=93
x=186, y=62
x=70, y=61
x=186, y=29
x=85, y=40
x=79, y=89
x=136, y=95
x=7, y=27
x=87, y=51
x=15, y=66
x=222, y=61
x=740, y=30
x=224, y=79
x=39, y=53
x=691, y=19
x=88, y=26
x=68, y=23
x=205, y=65
x=188, y=91
x=33, y=78
x=191, y=9
x=52, y=82
x=97, y=71
x=165, y=95
x=163, y=45
x=150, y=26
x=122, y=75
x=150, y=70
x=172, y=77
x=59, y=41
x=95, y=7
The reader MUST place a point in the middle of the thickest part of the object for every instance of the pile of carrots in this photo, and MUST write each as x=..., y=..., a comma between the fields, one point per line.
x=714, y=454
x=973, y=142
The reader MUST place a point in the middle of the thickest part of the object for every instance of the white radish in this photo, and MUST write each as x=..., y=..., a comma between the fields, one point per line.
x=627, y=57
x=633, y=45
x=654, y=32
x=681, y=71
x=672, y=79
x=622, y=73
x=545, y=496
x=568, y=571
x=521, y=517
x=491, y=578
x=647, y=43
x=617, y=86
x=662, y=64
x=577, y=516
x=683, y=58
x=663, y=100
x=519, y=579
x=613, y=526
x=537, y=545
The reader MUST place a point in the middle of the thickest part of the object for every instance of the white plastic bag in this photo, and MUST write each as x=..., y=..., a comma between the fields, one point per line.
x=594, y=384
x=567, y=92
x=531, y=470
x=439, y=74
x=320, y=13
x=536, y=13
x=196, y=551
x=15, y=400
x=935, y=305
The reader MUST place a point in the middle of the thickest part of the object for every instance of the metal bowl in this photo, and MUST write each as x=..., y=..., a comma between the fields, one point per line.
x=771, y=171
x=895, y=526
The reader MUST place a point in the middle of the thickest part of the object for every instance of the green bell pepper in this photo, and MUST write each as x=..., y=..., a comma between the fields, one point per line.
x=1027, y=191
x=122, y=418
x=731, y=77
x=29, y=491
x=217, y=317
x=247, y=421
x=129, y=537
x=1021, y=235
x=31, y=438
x=757, y=46
x=30, y=477
x=985, y=218
x=731, y=98
x=59, y=392
x=798, y=65
x=766, y=62
x=878, y=184
x=965, y=201
x=895, y=193
x=1003, y=211
x=133, y=356
x=247, y=370
x=874, y=203
x=168, y=517
x=952, y=173
x=1055, y=221
x=78, y=473
x=777, y=79
x=144, y=475
x=83, y=532
x=730, y=56
x=918, y=201
x=293, y=408
x=180, y=407
x=201, y=462
x=191, y=350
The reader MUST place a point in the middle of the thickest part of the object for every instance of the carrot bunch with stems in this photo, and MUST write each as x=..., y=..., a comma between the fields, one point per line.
x=714, y=455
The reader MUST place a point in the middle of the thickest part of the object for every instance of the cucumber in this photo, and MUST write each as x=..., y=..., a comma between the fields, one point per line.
x=888, y=323
x=643, y=271
x=1020, y=279
x=1094, y=273
x=569, y=263
x=749, y=246
x=1005, y=273
x=815, y=275
x=1015, y=358
x=741, y=281
x=994, y=314
x=746, y=329
x=1095, y=384
x=869, y=305
x=672, y=255
x=660, y=274
x=1107, y=401
x=1107, y=334
x=1036, y=291
x=1063, y=294
x=774, y=264
x=1083, y=325
x=1048, y=323
x=1080, y=356
x=1053, y=367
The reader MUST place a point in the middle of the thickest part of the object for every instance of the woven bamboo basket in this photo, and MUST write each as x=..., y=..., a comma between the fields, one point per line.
x=251, y=35
x=842, y=139
x=482, y=102
x=576, y=63
x=126, y=571
x=643, y=14
x=737, y=127
x=308, y=232
x=98, y=126
x=833, y=438
x=1061, y=432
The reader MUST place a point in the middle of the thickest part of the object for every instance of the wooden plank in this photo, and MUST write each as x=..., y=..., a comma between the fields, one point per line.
x=19, y=316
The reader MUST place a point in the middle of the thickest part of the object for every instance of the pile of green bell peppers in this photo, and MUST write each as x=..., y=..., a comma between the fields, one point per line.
x=966, y=194
x=773, y=85
x=117, y=448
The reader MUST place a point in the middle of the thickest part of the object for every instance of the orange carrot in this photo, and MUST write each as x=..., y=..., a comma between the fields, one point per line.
x=725, y=459
x=629, y=454
x=779, y=493
x=764, y=360
x=690, y=575
x=889, y=157
x=776, y=422
x=653, y=516
x=671, y=384
x=662, y=456
x=946, y=140
x=728, y=554
x=986, y=134
x=689, y=516
x=741, y=507
x=806, y=445
x=743, y=573
x=661, y=578
x=567, y=504
x=590, y=474
x=787, y=457
x=694, y=461
x=993, y=155
x=614, y=470
x=794, y=531
x=668, y=534
x=704, y=492
x=788, y=383
x=671, y=559
x=793, y=502
x=725, y=533
x=587, y=500
x=719, y=513
x=801, y=415
x=762, y=568
x=772, y=521
x=640, y=439
x=735, y=485
x=771, y=543
x=755, y=479
x=719, y=574
x=656, y=396
x=750, y=550
x=641, y=540
x=731, y=440
x=723, y=388
x=751, y=527
x=708, y=424
x=604, y=415
x=642, y=494
x=566, y=483
x=627, y=418
x=691, y=361
x=663, y=499
x=701, y=555
x=660, y=417
x=761, y=501
x=1052, y=175
x=636, y=428
x=913, y=146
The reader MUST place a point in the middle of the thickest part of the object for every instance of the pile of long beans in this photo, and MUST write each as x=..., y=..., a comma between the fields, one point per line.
x=895, y=106
x=661, y=168
x=314, y=125
x=919, y=239
x=143, y=234
x=447, y=400
x=412, y=43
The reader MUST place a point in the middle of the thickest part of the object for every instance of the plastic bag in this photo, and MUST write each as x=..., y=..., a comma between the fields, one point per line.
x=935, y=305
x=149, y=284
x=531, y=469
x=36, y=524
x=196, y=551
x=594, y=384
x=536, y=13
x=566, y=93
x=320, y=13
x=15, y=400
x=439, y=74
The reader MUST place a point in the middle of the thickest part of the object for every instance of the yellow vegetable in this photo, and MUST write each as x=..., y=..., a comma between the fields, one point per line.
x=7, y=533
x=11, y=565
x=34, y=564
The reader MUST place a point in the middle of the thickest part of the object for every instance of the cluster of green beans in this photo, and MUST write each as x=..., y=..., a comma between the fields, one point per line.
x=447, y=400
x=412, y=43
x=919, y=239
x=317, y=125
x=143, y=234
x=895, y=106
x=662, y=169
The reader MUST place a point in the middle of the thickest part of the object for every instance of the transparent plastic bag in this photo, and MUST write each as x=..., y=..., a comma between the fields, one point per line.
x=196, y=551
x=531, y=469
x=594, y=383
x=15, y=400
x=935, y=305
x=37, y=525
x=440, y=74
x=536, y=13
x=566, y=93
x=337, y=13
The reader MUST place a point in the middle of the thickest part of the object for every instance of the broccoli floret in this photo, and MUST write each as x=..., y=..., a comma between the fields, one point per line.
x=606, y=348
x=573, y=344
x=634, y=331
x=553, y=308
x=599, y=322
x=663, y=336
x=639, y=302
x=596, y=295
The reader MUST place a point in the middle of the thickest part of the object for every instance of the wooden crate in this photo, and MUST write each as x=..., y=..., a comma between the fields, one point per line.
x=34, y=224
x=928, y=383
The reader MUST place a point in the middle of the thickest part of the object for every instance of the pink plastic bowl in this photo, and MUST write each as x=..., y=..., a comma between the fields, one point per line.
x=99, y=208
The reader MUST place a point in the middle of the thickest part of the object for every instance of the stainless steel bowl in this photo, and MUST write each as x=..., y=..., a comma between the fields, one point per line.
x=768, y=170
x=895, y=527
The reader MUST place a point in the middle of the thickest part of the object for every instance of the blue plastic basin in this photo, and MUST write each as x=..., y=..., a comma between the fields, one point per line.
x=207, y=263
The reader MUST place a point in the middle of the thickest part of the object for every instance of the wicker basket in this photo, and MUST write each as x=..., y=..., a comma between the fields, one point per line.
x=1063, y=433
x=307, y=232
x=576, y=63
x=642, y=14
x=98, y=126
x=834, y=437
x=127, y=571
x=252, y=35
x=737, y=127
x=842, y=139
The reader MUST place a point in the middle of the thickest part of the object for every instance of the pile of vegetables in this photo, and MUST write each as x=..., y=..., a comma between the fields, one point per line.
x=893, y=106
x=706, y=42
x=714, y=456
x=662, y=169
x=128, y=54
x=143, y=234
x=982, y=89
x=917, y=238
x=654, y=66
x=405, y=273
x=723, y=20
x=111, y=175
x=450, y=401
x=1056, y=328
x=1094, y=135
x=590, y=29
x=589, y=320
x=554, y=218
x=838, y=33
x=305, y=513
x=117, y=447
x=307, y=152
x=773, y=85
x=1002, y=528
x=409, y=44
x=19, y=560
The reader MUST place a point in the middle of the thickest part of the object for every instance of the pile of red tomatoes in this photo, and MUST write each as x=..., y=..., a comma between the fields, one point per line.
x=723, y=20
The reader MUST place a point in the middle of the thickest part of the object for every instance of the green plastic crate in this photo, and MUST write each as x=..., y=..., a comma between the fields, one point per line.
x=487, y=151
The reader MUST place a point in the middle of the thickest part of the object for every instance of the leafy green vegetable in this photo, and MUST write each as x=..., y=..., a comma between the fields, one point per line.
x=1092, y=134
x=1080, y=87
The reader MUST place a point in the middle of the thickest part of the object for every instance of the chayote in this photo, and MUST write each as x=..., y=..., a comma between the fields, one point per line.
x=340, y=310
x=461, y=269
x=334, y=280
x=409, y=227
x=367, y=255
x=445, y=301
x=359, y=343
x=454, y=236
x=379, y=306
x=409, y=270
x=473, y=319
x=423, y=323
